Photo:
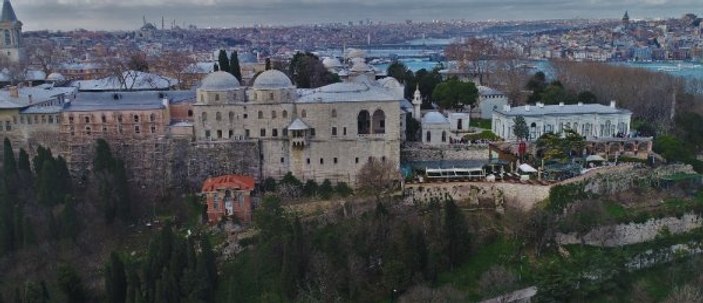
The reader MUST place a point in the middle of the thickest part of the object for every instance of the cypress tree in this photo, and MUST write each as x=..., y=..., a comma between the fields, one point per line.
x=103, y=156
x=456, y=234
x=234, y=68
x=70, y=284
x=23, y=161
x=115, y=280
x=70, y=225
x=9, y=164
x=7, y=223
x=215, y=68
x=223, y=61
x=268, y=63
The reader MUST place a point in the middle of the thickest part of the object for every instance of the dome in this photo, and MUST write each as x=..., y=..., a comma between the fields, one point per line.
x=331, y=62
x=434, y=118
x=343, y=87
x=272, y=79
x=389, y=82
x=219, y=81
x=55, y=77
x=361, y=67
x=355, y=53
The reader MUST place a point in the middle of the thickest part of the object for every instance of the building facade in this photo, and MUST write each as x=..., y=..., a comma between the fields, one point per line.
x=11, y=44
x=228, y=195
x=593, y=121
x=323, y=133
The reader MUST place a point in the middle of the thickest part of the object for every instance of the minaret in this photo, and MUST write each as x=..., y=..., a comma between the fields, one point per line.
x=417, y=101
x=10, y=34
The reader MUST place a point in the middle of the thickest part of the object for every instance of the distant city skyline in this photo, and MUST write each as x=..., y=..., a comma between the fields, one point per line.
x=127, y=14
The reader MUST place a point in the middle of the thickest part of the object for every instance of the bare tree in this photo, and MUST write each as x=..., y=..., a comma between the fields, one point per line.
x=474, y=56
x=378, y=176
x=43, y=54
x=176, y=65
x=15, y=71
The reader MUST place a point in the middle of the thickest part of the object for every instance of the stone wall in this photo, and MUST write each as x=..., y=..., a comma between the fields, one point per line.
x=170, y=164
x=472, y=194
x=610, y=180
x=632, y=233
x=421, y=152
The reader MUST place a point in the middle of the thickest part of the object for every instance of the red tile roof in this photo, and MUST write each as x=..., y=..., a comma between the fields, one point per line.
x=228, y=181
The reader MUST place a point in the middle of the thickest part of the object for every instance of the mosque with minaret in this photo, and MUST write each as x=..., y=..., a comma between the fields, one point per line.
x=11, y=31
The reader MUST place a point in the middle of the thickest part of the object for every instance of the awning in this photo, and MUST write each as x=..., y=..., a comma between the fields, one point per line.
x=594, y=158
x=298, y=125
x=527, y=168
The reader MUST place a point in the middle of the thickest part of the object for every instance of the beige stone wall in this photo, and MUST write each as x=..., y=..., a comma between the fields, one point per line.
x=473, y=194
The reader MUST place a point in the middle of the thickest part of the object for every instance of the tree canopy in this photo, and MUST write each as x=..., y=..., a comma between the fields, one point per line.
x=520, y=128
x=455, y=94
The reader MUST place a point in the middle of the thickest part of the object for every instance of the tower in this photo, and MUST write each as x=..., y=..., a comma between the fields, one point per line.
x=417, y=101
x=11, y=34
x=626, y=19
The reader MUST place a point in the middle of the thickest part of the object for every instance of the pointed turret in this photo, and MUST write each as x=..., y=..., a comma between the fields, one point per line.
x=417, y=102
x=8, y=13
x=626, y=18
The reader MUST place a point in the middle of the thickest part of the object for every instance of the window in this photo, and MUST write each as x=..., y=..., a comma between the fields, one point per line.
x=190, y=113
x=119, y=118
x=444, y=136
x=231, y=134
x=356, y=160
x=87, y=130
x=153, y=129
x=207, y=134
x=263, y=132
x=459, y=124
x=285, y=132
x=72, y=130
x=379, y=122
x=334, y=131
x=261, y=115
x=246, y=133
x=219, y=134
x=428, y=136
x=103, y=118
x=334, y=113
x=344, y=131
x=322, y=161
x=363, y=121
x=283, y=160
x=8, y=38
x=274, y=132
x=51, y=119
x=136, y=118
x=152, y=118
x=231, y=117
x=273, y=114
x=217, y=97
x=204, y=117
x=312, y=132
x=334, y=160
x=136, y=129
x=43, y=119
x=270, y=96
x=87, y=119
x=284, y=114
x=303, y=114
x=307, y=161
x=246, y=116
x=218, y=116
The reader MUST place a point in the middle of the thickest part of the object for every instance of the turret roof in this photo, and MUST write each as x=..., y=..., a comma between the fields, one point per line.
x=8, y=13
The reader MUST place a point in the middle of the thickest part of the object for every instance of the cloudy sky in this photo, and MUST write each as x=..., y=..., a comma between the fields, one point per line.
x=127, y=14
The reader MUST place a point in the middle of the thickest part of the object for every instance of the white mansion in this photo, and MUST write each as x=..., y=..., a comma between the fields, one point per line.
x=590, y=120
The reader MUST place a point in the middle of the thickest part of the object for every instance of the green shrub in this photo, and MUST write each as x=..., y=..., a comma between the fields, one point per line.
x=343, y=189
x=560, y=196
x=325, y=189
x=269, y=185
x=484, y=135
x=310, y=188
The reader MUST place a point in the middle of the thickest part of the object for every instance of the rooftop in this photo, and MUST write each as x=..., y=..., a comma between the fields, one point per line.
x=228, y=182
x=147, y=100
x=571, y=109
x=346, y=92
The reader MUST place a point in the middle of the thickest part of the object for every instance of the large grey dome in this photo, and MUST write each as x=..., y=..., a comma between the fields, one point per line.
x=272, y=79
x=55, y=77
x=219, y=81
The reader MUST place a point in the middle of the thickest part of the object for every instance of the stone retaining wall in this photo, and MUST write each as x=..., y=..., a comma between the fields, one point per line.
x=418, y=152
x=632, y=233
x=471, y=194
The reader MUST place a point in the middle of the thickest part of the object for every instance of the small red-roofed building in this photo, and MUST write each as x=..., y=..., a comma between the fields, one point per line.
x=228, y=195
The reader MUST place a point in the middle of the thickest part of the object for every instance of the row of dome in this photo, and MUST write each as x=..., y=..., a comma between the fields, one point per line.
x=225, y=81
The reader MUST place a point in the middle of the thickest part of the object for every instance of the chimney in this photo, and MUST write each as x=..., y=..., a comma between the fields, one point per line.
x=580, y=104
x=30, y=99
x=527, y=108
x=14, y=92
x=612, y=104
x=561, y=103
x=164, y=101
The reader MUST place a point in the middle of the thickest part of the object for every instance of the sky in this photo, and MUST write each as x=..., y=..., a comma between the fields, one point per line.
x=127, y=14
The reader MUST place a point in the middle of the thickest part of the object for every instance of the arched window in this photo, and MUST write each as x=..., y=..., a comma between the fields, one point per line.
x=218, y=116
x=261, y=115
x=204, y=117
x=284, y=114
x=8, y=38
x=273, y=114
x=334, y=113
x=303, y=114
x=363, y=121
x=87, y=130
x=428, y=137
x=444, y=136
x=231, y=117
x=136, y=118
x=379, y=122
x=152, y=117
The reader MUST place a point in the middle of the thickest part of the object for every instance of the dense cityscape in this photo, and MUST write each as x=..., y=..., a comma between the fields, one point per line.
x=358, y=161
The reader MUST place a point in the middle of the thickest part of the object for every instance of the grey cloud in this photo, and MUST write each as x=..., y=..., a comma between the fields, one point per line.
x=127, y=14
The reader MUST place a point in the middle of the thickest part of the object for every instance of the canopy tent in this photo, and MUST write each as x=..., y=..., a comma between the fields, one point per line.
x=526, y=168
